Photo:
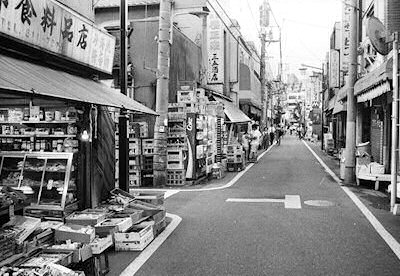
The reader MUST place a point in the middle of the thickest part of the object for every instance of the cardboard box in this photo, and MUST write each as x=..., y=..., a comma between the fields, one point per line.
x=159, y=216
x=155, y=198
x=101, y=244
x=85, y=218
x=135, y=215
x=78, y=255
x=135, y=239
x=23, y=226
x=75, y=233
x=147, y=208
x=122, y=224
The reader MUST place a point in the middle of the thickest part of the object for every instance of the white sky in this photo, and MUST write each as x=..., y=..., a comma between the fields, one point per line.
x=306, y=28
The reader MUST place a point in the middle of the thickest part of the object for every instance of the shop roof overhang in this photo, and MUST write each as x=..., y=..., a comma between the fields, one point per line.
x=234, y=114
x=375, y=83
x=22, y=76
x=249, y=97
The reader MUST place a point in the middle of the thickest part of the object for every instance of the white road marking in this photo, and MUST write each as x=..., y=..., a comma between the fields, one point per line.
x=136, y=264
x=256, y=200
x=385, y=235
x=290, y=201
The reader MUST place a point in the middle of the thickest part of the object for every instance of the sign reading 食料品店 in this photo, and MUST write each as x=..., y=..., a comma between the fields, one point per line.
x=215, y=50
x=53, y=27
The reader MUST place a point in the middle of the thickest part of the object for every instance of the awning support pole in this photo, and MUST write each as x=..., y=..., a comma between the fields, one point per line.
x=123, y=119
x=395, y=121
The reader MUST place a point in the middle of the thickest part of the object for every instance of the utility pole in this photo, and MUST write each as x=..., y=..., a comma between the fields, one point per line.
x=264, y=100
x=123, y=149
x=162, y=91
x=350, y=157
x=395, y=121
x=264, y=23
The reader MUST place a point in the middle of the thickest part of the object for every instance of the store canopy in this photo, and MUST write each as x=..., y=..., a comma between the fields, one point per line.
x=249, y=97
x=339, y=106
x=375, y=83
x=23, y=76
x=234, y=114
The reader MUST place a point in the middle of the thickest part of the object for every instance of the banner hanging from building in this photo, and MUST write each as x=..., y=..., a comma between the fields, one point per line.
x=215, y=50
x=346, y=13
x=334, y=69
x=55, y=28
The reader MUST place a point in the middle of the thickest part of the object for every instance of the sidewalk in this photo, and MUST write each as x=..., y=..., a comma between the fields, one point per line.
x=377, y=202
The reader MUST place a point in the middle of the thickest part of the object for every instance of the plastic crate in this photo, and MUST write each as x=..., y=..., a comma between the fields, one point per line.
x=134, y=181
x=234, y=167
x=148, y=146
x=147, y=164
x=176, y=177
x=134, y=146
x=175, y=165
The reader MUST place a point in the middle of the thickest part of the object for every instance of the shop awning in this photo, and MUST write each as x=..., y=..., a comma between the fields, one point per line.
x=342, y=94
x=339, y=106
x=234, y=114
x=249, y=97
x=375, y=83
x=375, y=92
x=23, y=76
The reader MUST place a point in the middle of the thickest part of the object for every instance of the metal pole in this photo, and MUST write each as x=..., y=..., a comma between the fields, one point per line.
x=322, y=107
x=162, y=91
x=350, y=158
x=264, y=100
x=123, y=118
x=395, y=121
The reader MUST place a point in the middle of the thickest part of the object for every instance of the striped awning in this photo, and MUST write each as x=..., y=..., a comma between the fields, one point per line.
x=374, y=92
x=234, y=114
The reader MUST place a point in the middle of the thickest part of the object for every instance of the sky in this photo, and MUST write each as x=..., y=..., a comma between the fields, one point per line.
x=306, y=29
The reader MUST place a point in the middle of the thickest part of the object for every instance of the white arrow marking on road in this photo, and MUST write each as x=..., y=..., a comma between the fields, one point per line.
x=290, y=201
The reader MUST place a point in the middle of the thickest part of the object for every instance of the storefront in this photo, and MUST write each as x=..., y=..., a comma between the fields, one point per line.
x=373, y=93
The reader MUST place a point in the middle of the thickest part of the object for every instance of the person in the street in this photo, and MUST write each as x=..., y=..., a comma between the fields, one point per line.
x=246, y=145
x=272, y=134
x=254, y=142
x=265, y=138
x=278, y=135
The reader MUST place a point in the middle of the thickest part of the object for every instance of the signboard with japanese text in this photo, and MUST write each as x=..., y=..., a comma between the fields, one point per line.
x=334, y=69
x=215, y=50
x=53, y=27
x=345, y=35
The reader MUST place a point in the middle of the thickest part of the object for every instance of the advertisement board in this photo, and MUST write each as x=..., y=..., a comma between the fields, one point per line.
x=215, y=50
x=50, y=26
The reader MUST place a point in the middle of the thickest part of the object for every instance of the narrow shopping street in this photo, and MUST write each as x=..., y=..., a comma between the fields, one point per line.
x=217, y=237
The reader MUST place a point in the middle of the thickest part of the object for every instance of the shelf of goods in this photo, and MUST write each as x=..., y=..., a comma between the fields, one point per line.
x=46, y=178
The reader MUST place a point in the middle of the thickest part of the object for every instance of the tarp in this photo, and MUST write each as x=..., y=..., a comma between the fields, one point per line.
x=23, y=76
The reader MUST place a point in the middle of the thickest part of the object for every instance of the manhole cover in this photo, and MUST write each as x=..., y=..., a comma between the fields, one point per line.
x=319, y=203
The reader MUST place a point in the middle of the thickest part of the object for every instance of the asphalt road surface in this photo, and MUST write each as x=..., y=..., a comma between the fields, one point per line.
x=217, y=237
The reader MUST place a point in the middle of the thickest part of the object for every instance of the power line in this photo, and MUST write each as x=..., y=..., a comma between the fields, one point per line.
x=252, y=17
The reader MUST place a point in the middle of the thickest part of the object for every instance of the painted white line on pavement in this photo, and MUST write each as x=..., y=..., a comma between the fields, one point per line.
x=256, y=200
x=153, y=246
x=385, y=235
x=292, y=202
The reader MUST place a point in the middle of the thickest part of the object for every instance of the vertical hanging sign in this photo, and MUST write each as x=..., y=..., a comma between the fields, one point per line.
x=345, y=36
x=334, y=70
x=215, y=50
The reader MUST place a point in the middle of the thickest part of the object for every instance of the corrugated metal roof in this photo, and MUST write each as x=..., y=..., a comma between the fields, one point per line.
x=26, y=77
x=117, y=3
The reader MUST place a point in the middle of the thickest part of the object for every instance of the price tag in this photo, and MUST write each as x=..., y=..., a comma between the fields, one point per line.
x=50, y=184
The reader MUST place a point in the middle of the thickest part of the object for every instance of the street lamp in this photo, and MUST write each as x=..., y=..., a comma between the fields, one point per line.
x=321, y=69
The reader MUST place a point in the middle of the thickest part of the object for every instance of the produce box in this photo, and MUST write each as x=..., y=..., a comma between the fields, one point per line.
x=159, y=216
x=80, y=252
x=155, y=198
x=85, y=218
x=122, y=224
x=147, y=208
x=44, y=259
x=135, y=239
x=23, y=226
x=135, y=215
x=75, y=233
x=101, y=244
